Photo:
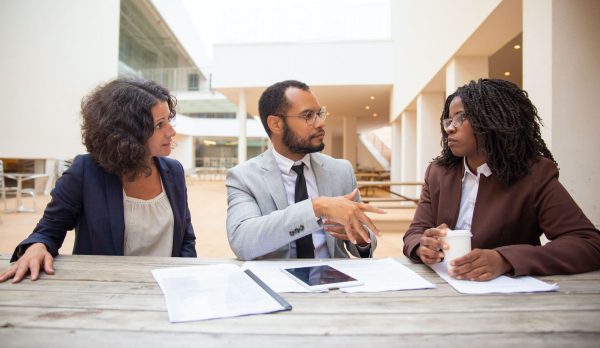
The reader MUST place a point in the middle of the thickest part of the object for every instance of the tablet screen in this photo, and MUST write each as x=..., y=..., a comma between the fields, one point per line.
x=319, y=275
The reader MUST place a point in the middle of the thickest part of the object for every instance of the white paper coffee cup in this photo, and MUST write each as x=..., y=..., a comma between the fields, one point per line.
x=459, y=243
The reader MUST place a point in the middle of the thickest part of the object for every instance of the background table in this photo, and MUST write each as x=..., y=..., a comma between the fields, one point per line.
x=100, y=301
x=20, y=177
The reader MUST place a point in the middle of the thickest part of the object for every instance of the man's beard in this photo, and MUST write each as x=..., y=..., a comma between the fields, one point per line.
x=297, y=145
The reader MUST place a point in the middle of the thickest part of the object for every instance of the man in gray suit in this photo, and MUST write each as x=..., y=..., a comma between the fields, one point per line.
x=292, y=201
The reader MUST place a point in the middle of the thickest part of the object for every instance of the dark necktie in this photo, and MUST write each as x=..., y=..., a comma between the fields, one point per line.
x=304, y=246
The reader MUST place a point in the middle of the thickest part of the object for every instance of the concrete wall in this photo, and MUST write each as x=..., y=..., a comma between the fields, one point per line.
x=53, y=53
x=184, y=151
x=330, y=63
x=561, y=51
x=426, y=35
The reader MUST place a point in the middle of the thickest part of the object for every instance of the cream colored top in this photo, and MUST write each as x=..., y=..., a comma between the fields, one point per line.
x=148, y=226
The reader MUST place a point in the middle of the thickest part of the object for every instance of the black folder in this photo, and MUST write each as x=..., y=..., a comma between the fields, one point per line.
x=284, y=304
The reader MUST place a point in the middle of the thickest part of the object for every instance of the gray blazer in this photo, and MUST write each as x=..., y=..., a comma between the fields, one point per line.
x=261, y=224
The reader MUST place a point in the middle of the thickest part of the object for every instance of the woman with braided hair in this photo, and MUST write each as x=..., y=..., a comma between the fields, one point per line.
x=497, y=178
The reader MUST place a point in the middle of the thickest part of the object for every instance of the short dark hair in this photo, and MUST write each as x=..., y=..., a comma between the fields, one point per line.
x=273, y=100
x=506, y=126
x=117, y=123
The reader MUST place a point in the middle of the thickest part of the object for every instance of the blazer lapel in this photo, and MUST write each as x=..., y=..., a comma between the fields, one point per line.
x=324, y=185
x=114, y=199
x=450, y=205
x=170, y=190
x=324, y=181
x=273, y=180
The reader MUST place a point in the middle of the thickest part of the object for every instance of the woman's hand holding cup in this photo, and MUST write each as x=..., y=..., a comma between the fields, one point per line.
x=431, y=247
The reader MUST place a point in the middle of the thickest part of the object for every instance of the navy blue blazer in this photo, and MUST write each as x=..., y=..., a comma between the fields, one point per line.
x=90, y=200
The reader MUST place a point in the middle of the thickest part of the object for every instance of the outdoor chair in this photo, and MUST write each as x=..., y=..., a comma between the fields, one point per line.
x=11, y=190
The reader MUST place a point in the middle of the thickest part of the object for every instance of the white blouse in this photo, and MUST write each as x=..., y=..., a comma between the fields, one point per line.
x=148, y=226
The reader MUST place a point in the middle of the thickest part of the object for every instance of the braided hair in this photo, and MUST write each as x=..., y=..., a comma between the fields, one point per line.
x=506, y=126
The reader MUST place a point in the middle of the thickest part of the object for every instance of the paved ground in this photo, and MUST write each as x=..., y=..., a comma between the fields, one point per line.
x=208, y=206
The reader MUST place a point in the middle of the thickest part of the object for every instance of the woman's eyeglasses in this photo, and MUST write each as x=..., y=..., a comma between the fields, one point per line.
x=457, y=121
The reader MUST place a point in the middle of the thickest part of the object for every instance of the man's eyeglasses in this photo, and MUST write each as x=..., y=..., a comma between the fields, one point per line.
x=310, y=116
x=457, y=121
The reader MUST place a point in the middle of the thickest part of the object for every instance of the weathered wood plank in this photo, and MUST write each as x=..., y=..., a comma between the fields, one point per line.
x=291, y=323
x=144, y=301
x=66, y=338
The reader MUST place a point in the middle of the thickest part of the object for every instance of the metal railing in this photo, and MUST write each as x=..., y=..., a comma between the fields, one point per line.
x=177, y=79
x=213, y=168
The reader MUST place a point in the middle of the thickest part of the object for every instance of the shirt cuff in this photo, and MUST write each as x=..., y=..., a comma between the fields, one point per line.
x=364, y=251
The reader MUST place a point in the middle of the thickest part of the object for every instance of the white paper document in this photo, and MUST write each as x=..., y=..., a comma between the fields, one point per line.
x=381, y=275
x=377, y=274
x=216, y=291
x=502, y=284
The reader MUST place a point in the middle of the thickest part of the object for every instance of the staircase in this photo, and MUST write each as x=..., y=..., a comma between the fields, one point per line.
x=380, y=151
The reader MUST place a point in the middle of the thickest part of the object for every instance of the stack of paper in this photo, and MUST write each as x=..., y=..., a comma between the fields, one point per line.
x=502, y=284
x=217, y=291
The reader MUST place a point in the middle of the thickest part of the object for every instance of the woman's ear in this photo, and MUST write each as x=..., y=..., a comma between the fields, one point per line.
x=275, y=124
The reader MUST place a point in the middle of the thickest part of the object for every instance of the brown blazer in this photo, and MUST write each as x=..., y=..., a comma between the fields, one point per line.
x=511, y=219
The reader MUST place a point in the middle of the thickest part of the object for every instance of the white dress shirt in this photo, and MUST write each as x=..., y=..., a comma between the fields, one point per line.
x=468, y=196
x=289, y=182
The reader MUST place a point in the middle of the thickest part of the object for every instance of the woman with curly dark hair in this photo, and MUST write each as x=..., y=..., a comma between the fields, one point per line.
x=124, y=197
x=497, y=178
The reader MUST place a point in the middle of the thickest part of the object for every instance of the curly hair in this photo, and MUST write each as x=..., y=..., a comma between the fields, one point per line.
x=273, y=100
x=117, y=123
x=506, y=125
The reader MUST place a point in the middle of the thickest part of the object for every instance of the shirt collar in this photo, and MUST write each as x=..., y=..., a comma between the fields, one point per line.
x=285, y=164
x=482, y=169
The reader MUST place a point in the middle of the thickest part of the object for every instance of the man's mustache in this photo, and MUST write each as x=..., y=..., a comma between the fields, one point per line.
x=318, y=134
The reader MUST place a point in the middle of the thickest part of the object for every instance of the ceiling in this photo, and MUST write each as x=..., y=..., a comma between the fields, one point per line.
x=341, y=101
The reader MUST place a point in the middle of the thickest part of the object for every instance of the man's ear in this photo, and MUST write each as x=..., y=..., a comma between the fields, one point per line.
x=275, y=124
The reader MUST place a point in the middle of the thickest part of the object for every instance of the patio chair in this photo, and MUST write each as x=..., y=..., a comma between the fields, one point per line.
x=11, y=190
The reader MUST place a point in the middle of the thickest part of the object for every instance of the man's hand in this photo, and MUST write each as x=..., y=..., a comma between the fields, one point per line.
x=480, y=265
x=352, y=222
x=339, y=231
x=33, y=259
x=431, y=247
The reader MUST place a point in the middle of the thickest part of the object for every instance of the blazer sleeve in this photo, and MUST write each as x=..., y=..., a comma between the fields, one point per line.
x=574, y=245
x=423, y=219
x=61, y=214
x=251, y=232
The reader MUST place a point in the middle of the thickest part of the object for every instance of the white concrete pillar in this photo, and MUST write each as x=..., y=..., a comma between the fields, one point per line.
x=409, y=153
x=184, y=152
x=561, y=51
x=537, y=60
x=349, y=141
x=397, y=149
x=242, y=121
x=57, y=54
x=39, y=167
x=462, y=69
x=429, y=109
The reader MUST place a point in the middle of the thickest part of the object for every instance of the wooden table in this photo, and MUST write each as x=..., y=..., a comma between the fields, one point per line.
x=99, y=301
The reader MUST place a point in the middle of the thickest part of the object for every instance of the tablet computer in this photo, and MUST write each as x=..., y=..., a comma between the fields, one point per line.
x=321, y=277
